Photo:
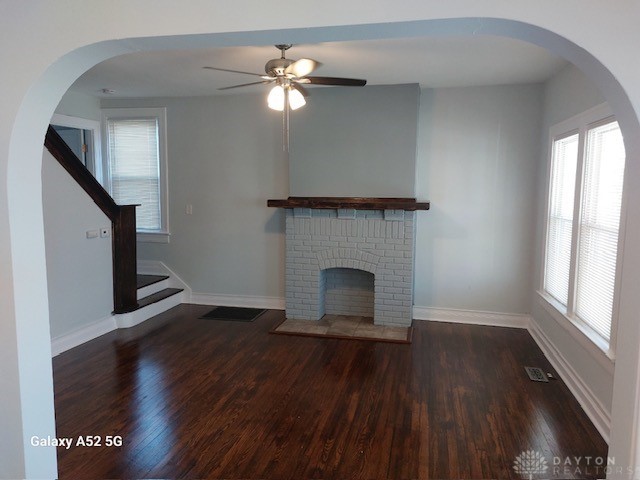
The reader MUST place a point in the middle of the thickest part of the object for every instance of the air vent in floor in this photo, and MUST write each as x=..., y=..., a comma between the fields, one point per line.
x=536, y=374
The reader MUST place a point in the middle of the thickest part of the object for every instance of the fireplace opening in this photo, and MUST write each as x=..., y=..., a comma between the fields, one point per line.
x=346, y=291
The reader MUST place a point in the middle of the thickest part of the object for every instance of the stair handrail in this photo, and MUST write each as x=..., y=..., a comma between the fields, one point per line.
x=122, y=217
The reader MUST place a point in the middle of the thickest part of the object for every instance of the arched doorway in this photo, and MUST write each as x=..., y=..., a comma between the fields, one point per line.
x=31, y=351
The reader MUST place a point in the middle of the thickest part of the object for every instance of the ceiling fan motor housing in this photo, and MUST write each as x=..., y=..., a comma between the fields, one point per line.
x=276, y=67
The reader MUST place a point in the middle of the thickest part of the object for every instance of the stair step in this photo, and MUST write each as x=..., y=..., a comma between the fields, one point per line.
x=146, y=280
x=158, y=296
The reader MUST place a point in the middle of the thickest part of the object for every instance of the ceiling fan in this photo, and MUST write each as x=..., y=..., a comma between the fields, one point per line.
x=289, y=77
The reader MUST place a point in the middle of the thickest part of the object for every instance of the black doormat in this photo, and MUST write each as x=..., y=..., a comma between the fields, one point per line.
x=234, y=314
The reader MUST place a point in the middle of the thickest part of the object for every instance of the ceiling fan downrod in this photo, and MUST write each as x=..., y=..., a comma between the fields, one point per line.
x=283, y=47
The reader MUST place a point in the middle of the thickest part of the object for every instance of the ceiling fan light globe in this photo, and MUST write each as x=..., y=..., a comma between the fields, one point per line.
x=296, y=99
x=275, y=100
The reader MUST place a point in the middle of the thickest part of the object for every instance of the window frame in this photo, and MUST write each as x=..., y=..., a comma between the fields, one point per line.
x=96, y=130
x=160, y=114
x=566, y=315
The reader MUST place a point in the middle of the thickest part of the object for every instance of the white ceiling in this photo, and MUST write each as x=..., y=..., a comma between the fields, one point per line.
x=431, y=62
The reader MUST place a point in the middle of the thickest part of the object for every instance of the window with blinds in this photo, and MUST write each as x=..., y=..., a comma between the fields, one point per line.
x=583, y=225
x=560, y=225
x=599, y=226
x=135, y=165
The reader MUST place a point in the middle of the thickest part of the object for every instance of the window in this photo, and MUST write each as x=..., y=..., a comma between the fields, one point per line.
x=583, y=222
x=136, y=166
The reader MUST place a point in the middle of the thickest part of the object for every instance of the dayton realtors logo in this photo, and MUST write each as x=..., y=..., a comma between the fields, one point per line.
x=530, y=463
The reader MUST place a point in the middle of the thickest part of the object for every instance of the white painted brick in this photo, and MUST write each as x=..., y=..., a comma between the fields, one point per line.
x=302, y=212
x=401, y=296
x=394, y=278
x=393, y=303
x=392, y=290
x=349, y=213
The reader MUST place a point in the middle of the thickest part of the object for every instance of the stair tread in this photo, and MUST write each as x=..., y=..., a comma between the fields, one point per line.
x=146, y=280
x=156, y=297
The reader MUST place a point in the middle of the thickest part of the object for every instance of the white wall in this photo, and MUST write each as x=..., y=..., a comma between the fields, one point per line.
x=79, y=270
x=477, y=165
x=567, y=94
x=355, y=142
x=225, y=158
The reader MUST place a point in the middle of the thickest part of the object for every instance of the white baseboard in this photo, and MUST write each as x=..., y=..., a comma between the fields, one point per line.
x=78, y=337
x=275, y=303
x=131, y=319
x=595, y=410
x=472, y=317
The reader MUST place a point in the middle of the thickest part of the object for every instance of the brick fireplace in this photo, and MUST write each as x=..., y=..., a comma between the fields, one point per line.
x=350, y=256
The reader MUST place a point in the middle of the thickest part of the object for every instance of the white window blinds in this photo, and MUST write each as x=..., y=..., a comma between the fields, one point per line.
x=134, y=165
x=583, y=222
x=561, y=208
x=599, y=225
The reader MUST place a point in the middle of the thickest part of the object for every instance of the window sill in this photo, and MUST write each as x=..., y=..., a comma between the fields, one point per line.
x=153, y=237
x=589, y=340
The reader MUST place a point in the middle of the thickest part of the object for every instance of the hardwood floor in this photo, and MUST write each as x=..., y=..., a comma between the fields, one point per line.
x=198, y=398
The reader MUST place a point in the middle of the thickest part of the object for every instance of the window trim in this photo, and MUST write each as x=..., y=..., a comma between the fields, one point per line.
x=96, y=129
x=581, y=123
x=160, y=113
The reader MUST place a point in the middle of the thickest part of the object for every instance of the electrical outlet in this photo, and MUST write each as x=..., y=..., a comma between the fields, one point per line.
x=188, y=209
x=105, y=232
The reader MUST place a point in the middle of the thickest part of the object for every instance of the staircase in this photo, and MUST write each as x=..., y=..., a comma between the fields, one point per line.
x=155, y=295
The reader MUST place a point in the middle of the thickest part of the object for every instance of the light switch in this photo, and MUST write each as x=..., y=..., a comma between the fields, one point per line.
x=93, y=233
x=188, y=209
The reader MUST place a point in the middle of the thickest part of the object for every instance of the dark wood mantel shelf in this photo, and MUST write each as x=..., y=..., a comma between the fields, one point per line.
x=358, y=203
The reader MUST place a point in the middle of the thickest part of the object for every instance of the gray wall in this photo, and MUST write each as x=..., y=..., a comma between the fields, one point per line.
x=225, y=158
x=79, y=105
x=78, y=269
x=477, y=156
x=477, y=164
x=567, y=94
x=355, y=142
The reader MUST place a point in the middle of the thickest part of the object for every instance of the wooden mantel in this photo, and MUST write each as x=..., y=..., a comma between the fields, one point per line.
x=358, y=203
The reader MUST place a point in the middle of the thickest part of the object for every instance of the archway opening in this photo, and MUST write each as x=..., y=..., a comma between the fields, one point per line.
x=24, y=190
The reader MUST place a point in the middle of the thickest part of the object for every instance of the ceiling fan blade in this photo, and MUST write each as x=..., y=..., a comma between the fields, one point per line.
x=265, y=82
x=300, y=88
x=344, y=82
x=234, y=71
x=302, y=67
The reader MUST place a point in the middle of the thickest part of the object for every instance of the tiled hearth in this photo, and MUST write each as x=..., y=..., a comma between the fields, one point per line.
x=347, y=327
x=350, y=261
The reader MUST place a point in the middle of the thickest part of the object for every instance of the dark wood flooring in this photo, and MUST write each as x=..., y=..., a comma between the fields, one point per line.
x=194, y=398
